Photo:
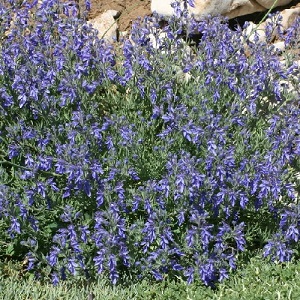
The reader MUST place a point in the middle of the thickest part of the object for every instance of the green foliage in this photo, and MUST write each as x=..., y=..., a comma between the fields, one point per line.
x=256, y=279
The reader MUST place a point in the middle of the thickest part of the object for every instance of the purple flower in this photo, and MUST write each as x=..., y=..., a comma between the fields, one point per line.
x=239, y=237
x=277, y=249
x=31, y=260
x=157, y=275
x=149, y=233
x=71, y=266
x=99, y=260
x=206, y=236
x=55, y=278
x=52, y=258
x=180, y=183
x=33, y=222
x=189, y=273
x=113, y=274
x=223, y=274
x=190, y=237
x=177, y=267
x=171, y=171
x=13, y=151
x=207, y=272
x=145, y=63
x=41, y=189
x=15, y=226
x=292, y=233
x=177, y=9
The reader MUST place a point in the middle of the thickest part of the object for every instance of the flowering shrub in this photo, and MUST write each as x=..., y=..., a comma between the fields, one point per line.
x=153, y=159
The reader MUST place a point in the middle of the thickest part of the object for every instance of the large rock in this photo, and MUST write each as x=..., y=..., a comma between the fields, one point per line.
x=106, y=25
x=242, y=9
x=230, y=8
x=287, y=18
x=270, y=3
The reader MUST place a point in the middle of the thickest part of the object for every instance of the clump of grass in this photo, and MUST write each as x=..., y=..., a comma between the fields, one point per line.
x=257, y=279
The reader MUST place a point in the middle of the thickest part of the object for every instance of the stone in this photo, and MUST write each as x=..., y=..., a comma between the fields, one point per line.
x=229, y=8
x=106, y=25
x=123, y=34
x=240, y=8
x=289, y=16
x=280, y=46
x=269, y=3
x=291, y=86
x=259, y=29
x=157, y=41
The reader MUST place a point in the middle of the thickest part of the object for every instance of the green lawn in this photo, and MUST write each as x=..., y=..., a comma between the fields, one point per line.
x=256, y=280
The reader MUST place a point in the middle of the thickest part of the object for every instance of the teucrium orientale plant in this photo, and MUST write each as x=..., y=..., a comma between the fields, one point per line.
x=156, y=158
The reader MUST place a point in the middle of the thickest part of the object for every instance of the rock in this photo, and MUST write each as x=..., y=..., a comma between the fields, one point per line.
x=243, y=8
x=158, y=40
x=280, y=46
x=291, y=85
x=229, y=8
x=252, y=28
x=202, y=8
x=286, y=18
x=123, y=34
x=289, y=17
x=106, y=25
x=269, y=3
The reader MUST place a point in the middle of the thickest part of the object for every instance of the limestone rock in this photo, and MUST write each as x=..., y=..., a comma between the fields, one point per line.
x=240, y=8
x=252, y=28
x=157, y=41
x=280, y=46
x=269, y=3
x=230, y=8
x=287, y=19
x=106, y=25
x=202, y=8
x=289, y=16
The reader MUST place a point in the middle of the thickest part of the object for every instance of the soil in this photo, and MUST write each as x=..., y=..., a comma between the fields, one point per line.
x=129, y=10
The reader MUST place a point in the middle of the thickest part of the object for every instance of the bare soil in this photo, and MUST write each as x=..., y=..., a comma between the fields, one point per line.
x=129, y=10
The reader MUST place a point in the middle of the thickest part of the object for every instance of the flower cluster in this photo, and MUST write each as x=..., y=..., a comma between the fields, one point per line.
x=157, y=158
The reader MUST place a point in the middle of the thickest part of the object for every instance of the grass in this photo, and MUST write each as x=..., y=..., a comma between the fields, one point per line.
x=257, y=279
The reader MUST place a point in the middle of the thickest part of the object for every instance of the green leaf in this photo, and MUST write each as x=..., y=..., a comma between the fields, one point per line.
x=10, y=251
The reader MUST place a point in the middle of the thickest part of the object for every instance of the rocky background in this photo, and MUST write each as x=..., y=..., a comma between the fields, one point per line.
x=129, y=10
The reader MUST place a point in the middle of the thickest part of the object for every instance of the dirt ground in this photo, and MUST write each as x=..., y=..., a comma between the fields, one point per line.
x=129, y=10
